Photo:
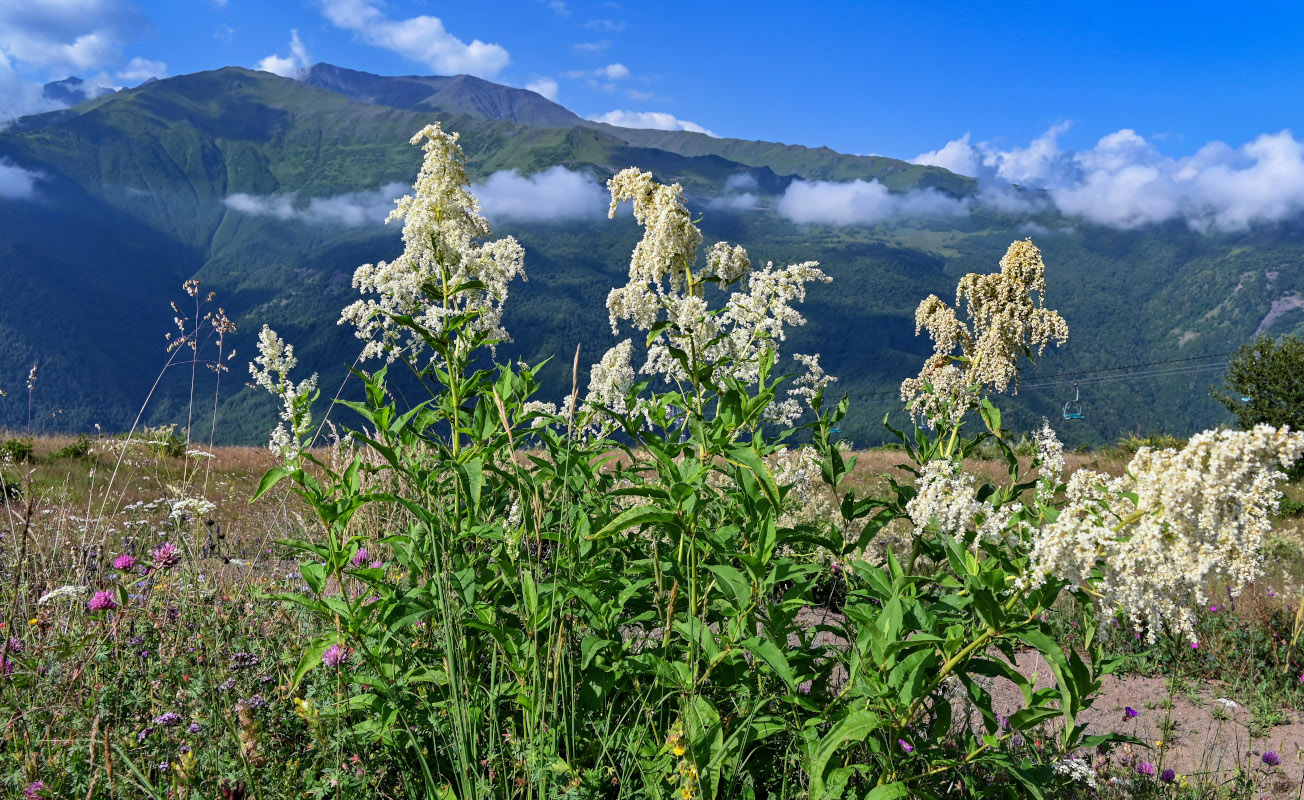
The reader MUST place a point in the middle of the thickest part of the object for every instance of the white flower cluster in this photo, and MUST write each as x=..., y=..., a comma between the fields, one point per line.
x=1076, y=769
x=1150, y=542
x=1006, y=320
x=443, y=272
x=194, y=507
x=271, y=370
x=945, y=495
x=808, y=500
x=610, y=381
x=1050, y=454
x=662, y=286
x=61, y=592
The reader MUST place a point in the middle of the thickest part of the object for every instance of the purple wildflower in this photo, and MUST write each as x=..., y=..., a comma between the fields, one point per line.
x=102, y=601
x=334, y=656
x=377, y=564
x=167, y=720
x=257, y=701
x=34, y=790
x=143, y=735
x=906, y=746
x=6, y=667
x=1213, y=609
x=166, y=556
x=16, y=646
x=360, y=557
x=242, y=660
x=1271, y=758
x=195, y=727
x=1129, y=712
x=1145, y=768
x=1168, y=776
x=124, y=562
x=227, y=685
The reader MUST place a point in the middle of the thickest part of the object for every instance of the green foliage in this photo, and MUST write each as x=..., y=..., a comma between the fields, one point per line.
x=77, y=448
x=16, y=451
x=1265, y=383
x=162, y=440
x=1131, y=442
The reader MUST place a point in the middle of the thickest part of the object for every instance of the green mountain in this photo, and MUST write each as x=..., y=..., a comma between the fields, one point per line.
x=134, y=196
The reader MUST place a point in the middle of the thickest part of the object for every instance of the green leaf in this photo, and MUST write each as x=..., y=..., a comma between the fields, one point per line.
x=631, y=517
x=749, y=458
x=272, y=477
x=737, y=584
x=852, y=728
x=312, y=657
x=769, y=652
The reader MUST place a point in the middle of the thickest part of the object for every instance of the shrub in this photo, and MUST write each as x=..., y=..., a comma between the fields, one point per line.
x=78, y=448
x=1133, y=442
x=1265, y=383
x=16, y=451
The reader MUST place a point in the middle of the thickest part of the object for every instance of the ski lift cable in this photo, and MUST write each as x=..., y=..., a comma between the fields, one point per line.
x=1131, y=376
x=1188, y=369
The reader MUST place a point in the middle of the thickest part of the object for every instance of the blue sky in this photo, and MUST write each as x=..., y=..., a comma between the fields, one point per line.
x=896, y=78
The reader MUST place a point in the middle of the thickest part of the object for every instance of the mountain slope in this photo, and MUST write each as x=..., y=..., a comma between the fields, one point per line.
x=134, y=197
x=459, y=94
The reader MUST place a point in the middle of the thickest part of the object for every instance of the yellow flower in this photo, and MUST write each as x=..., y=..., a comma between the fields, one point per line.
x=32, y=621
x=678, y=749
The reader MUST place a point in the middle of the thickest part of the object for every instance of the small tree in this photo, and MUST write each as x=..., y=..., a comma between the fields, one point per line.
x=1265, y=383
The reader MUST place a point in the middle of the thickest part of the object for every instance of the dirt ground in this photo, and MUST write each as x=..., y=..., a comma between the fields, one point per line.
x=1210, y=735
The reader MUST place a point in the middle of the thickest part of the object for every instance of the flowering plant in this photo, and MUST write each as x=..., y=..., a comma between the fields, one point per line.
x=629, y=609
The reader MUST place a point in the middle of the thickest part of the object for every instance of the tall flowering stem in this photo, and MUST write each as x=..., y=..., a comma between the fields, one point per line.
x=1006, y=321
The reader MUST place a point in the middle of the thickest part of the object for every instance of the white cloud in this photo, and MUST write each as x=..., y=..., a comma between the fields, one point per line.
x=554, y=194
x=350, y=209
x=595, y=77
x=293, y=66
x=862, y=203
x=615, y=72
x=140, y=69
x=16, y=183
x=658, y=120
x=544, y=86
x=18, y=96
x=422, y=39
x=610, y=25
x=957, y=156
x=591, y=47
x=1124, y=181
x=68, y=35
x=739, y=193
x=224, y=33
x=559, y=8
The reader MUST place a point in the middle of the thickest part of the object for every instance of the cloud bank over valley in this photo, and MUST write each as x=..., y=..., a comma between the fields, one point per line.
x=555, y=194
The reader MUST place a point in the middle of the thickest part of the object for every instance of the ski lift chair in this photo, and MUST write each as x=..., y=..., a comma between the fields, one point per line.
x=1073, y=408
